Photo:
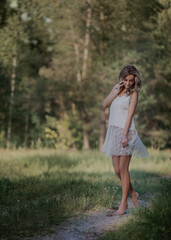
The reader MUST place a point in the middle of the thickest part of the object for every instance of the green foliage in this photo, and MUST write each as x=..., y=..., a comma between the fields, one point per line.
x=48, y=41
x=63, y=134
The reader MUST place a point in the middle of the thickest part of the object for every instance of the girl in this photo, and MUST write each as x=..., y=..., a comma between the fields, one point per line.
x=122, y=140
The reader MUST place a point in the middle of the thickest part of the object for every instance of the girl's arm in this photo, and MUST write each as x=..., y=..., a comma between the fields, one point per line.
x=131, y=110
x=112, y=95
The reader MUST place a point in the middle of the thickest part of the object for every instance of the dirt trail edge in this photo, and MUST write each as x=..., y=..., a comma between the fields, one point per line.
x=90, y=225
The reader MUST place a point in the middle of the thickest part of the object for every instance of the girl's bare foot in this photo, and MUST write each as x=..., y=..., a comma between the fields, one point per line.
x=135, y=196
x=122, y=209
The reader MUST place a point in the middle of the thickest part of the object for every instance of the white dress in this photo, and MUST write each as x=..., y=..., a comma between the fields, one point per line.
x=113, y=141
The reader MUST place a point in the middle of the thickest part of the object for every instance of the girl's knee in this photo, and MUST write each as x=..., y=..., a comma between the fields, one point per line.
x=117, y=171
x=124, y=171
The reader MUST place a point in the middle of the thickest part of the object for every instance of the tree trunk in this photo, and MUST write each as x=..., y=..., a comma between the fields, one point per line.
x=102, y=115
x=77, y=54
x=86, y=41
x=86, y=144
x=26, y=130
x=85, y=136
x=62, y=107
x=76, y=49
x=77, y=59
x=13, y=76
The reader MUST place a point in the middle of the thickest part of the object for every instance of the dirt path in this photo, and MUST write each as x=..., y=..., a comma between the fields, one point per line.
x=91, y=225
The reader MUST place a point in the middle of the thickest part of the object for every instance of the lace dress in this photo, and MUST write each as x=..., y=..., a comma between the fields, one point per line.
x=113, y=141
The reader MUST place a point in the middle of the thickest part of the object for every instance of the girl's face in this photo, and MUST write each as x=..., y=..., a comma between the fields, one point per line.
x=128, y=81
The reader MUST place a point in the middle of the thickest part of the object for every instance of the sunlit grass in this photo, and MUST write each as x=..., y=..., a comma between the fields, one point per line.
x=41, y=187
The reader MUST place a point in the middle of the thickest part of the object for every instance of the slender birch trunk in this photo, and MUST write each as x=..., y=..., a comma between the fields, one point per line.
x=86, y=42
x=76, y=50
x=102, y=115
x=62, y=106
x=85, y=135
x=13, y=76
x=77, y=60
x=26, y=130
x=86, y=144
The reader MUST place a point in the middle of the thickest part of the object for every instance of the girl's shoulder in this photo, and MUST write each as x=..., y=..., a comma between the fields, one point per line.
x=134, y=95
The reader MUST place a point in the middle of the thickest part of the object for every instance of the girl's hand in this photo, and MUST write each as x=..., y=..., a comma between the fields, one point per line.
x=124, y=141
x=119, y=88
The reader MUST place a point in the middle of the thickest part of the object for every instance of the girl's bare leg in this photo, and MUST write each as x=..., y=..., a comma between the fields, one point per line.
x=116, y=164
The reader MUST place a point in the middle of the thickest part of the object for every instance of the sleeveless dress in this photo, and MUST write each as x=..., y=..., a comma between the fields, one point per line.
x=113, y=141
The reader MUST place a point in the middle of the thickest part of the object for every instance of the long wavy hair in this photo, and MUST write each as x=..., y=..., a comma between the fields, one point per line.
x=131, y=70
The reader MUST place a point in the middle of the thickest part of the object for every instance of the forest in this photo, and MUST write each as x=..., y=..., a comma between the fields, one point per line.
x=59, y=59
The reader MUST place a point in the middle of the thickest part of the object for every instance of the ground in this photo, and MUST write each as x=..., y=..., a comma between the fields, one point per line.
x=91, y=225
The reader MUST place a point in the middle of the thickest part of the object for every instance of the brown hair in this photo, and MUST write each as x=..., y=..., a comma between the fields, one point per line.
x=131, y=70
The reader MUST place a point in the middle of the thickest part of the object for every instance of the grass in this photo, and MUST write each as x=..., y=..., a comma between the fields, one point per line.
x=148, y=223
x=40, y=188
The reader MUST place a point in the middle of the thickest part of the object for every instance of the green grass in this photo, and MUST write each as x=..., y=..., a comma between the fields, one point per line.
x=40, y=188
x=148, y=223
